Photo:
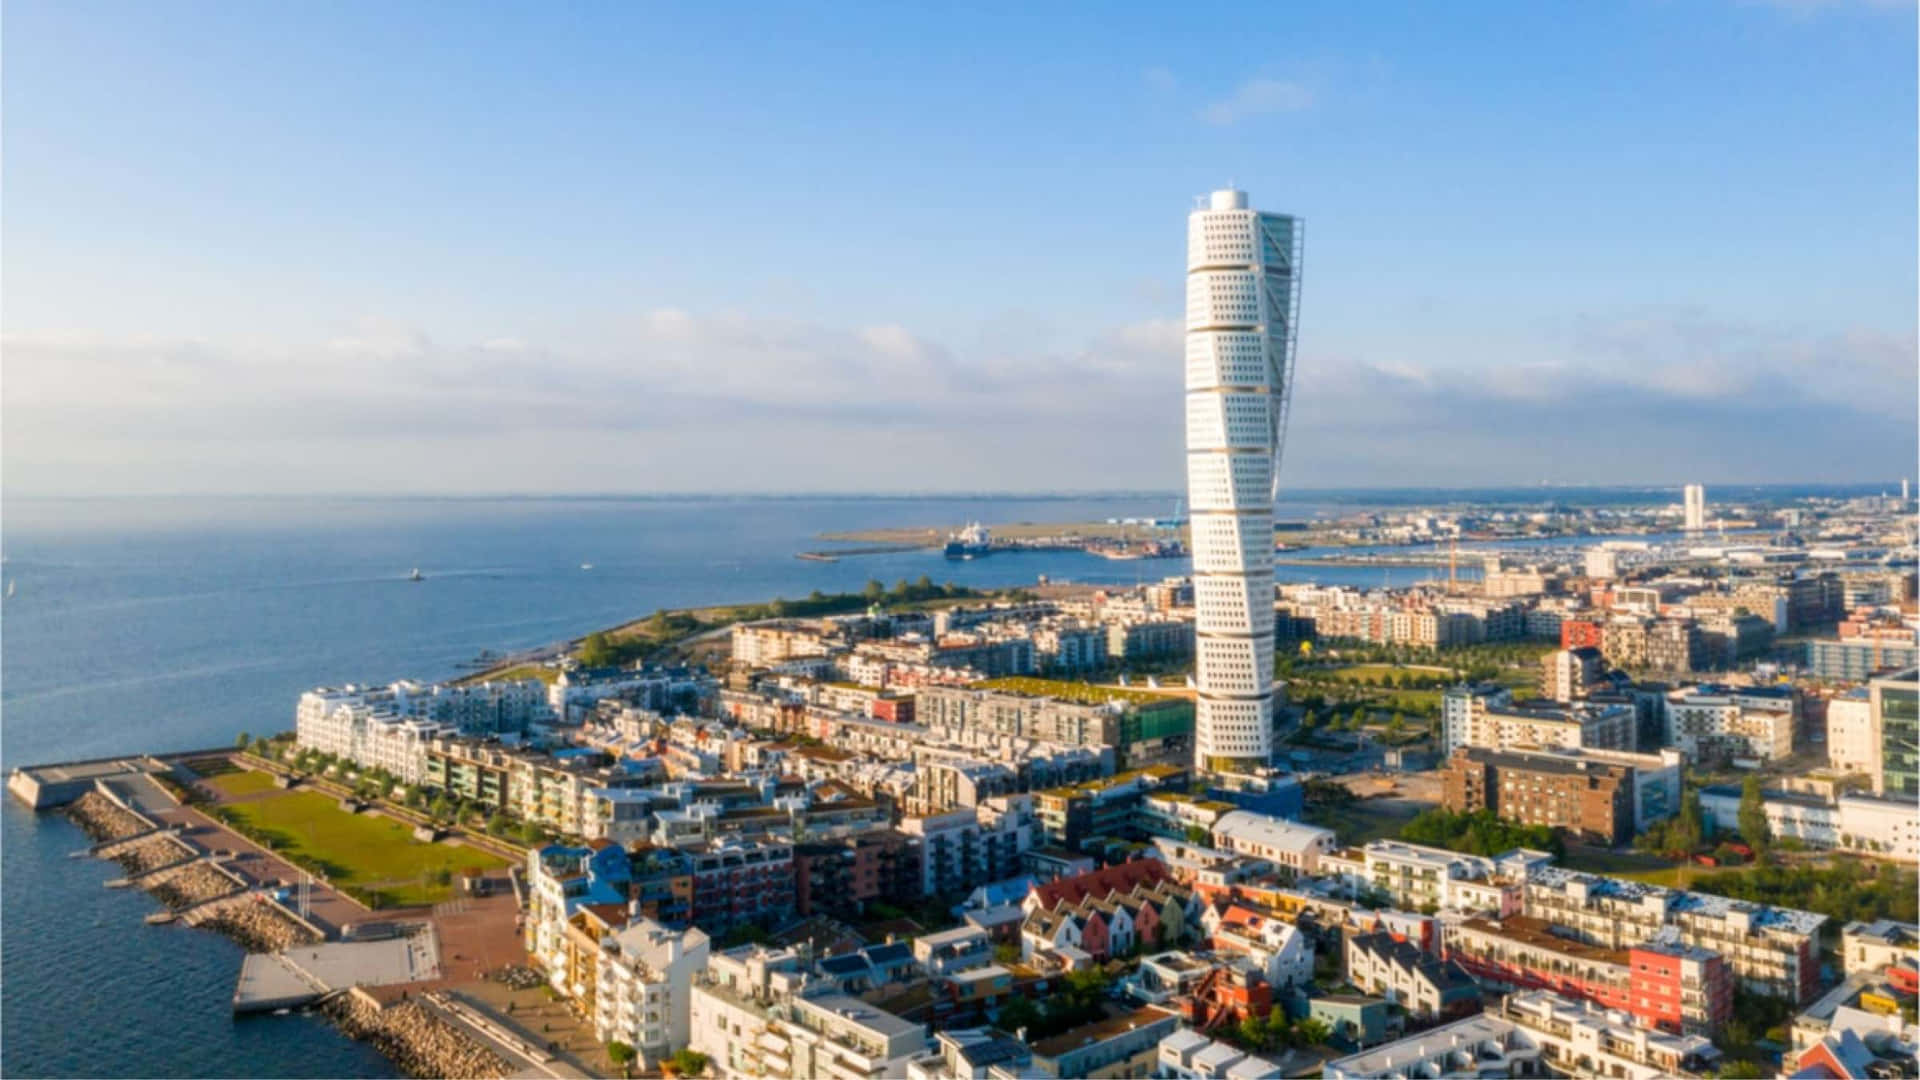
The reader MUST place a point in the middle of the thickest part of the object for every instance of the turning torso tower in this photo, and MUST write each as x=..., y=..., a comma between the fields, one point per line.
x=1243, y=294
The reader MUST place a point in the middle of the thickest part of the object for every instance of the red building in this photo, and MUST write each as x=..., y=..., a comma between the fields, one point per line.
x=1226, y=995
x=898, y=710
x=1674, y=988
x=1579, y=634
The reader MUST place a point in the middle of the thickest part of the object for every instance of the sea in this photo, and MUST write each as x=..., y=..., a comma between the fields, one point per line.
x=162, y=624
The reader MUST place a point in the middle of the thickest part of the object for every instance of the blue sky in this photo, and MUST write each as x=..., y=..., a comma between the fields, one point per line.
x=364, y=247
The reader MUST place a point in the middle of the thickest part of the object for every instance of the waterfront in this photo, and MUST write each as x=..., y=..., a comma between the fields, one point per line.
x=171, y=624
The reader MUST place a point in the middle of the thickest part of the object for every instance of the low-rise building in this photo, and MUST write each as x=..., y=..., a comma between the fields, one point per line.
x=1535, y=1034
x=1426, y=986
x=1118, y=1046
x=1293, y=847
x=1863, y=823
x=1755, y=722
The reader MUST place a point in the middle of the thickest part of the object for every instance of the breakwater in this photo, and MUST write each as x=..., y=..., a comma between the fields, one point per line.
x=257, y=926
x=104, y=820
x=415, y=1038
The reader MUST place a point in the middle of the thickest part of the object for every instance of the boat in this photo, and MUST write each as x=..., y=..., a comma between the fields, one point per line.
x=416, y=575
x=586, y=566
x=9, y=587
x=970, y=542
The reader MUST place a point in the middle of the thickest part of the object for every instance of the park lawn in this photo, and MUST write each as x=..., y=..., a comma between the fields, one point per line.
x=241, y=782
x=365, y=852
x=1363, y=822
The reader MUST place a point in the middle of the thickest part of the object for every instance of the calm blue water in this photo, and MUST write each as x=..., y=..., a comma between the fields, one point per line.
x=166, y=624
x=173, y=624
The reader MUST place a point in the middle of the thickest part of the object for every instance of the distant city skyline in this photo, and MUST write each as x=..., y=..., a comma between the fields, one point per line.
x=370, y=249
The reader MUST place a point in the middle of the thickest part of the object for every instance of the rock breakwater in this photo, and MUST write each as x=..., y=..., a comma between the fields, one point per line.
x=416, y=1039
x=103, y=819
x=195, y=883
x=256, y=926
x=152, y=853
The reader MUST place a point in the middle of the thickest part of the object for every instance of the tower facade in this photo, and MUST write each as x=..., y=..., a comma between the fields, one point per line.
x=1243, y=293
x=1695, y=504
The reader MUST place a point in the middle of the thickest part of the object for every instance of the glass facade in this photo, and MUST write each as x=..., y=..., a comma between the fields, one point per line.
x=1898, y=705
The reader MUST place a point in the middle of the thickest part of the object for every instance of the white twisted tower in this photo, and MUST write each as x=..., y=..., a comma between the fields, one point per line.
x=1243, y=292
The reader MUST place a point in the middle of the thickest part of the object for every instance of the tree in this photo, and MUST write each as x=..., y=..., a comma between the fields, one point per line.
x=1689, y=832
x=619, y=1053
x=597, y=651
x=1313, y=1031
x=874, y=592
x=241, y=740
x=1753, y=816
x=688, y=1062
x=498, y=824
x=1017, y=1013
x=1197, y=834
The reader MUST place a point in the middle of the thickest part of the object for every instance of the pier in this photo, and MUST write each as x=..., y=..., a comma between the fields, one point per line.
x=303, y=975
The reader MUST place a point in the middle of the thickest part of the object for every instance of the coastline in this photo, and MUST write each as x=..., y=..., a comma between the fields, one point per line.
x=198, y=891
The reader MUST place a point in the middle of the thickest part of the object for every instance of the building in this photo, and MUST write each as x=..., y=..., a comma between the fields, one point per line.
x=1896, y=710
x=1293, y=847
x=1756, y=722
x=1107, y=808
x=1853, y=734
x=1771, y=950
x=1857, y=660
x=1243, y=293
x=1414, y=877
x=1565, y=674
x=1592, y=797
x=1863, y=823
x=1694, y=499
x=1426, y=986
x=1873, y=947
x=1535, y=1034
x=1667, y=986
x=645, y=988
x=1463, y=714
x=1188, y=1055
x=762, y=1013
x=962, y=850
x=970, y=1054
x=1118, y=1046
x=743, y=881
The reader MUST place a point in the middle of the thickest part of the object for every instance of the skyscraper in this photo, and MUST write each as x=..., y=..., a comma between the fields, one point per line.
x=1243, y=291
x=1696, y=504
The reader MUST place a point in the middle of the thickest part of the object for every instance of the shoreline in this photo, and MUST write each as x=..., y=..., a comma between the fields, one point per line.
x=195, y=891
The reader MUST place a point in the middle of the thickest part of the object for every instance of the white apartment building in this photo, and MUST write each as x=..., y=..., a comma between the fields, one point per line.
x=644, y=996
x=366, y=727
x=1755, y=722
x=1886, y=827
x=1243, y=295
x=1536, y=1033
x=1416, y=877
x=1463, y=715
x=1853, y=734
x=1772, y=950
x=754, y=1014
x=964, y=849
x=1286, y=844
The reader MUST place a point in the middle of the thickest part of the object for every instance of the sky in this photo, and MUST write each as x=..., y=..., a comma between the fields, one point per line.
x=608, y=247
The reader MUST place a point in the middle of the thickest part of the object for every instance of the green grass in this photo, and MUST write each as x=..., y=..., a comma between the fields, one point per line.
x=524, y=671
x=1085, y=693
x=365, y=853
x=1362, y=822
x=1651, y=869
x=241, y=782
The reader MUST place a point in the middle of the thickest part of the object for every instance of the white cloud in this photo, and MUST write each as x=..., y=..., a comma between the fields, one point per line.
x=1258, y=97
x=683, y=400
